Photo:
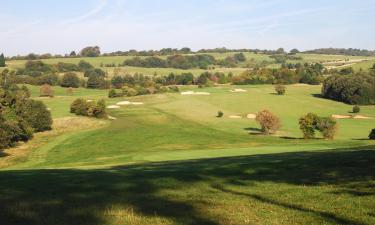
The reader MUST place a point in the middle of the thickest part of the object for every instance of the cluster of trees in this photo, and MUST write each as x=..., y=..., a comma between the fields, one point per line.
x=20, y=116
x=352, y=89
x=140, y=90
x=163, y=51
x=174, y=61
x=307, y=73
x=89, y=108
x=37, y=72
x=205, y=79
x=202, y=61
x=342, y=51
x=90, y=51
x=311, y=123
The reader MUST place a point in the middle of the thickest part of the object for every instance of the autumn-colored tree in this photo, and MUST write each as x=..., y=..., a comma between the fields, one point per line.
x=46, y=91
x=269, y=122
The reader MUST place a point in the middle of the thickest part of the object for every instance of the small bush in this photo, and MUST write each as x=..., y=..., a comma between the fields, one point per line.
x=46, y=91
x=280, y=89
x=327, y=126
x=372, y=134
x=356, y=109
x=112, y=93
x=268, y=121
x=220, y=114
x=312, y=122
x=70, y=79
x=82, y=107
x=308, y=124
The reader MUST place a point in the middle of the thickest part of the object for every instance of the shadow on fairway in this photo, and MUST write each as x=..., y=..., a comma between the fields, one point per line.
x=80, y=197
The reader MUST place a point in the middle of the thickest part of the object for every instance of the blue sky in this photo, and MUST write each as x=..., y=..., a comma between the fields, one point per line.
x=42, y=26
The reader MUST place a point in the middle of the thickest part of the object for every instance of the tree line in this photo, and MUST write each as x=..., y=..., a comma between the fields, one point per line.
x=352, y=88
x=342, y=51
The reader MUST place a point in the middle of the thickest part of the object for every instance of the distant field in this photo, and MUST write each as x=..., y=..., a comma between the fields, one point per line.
x=251, y=57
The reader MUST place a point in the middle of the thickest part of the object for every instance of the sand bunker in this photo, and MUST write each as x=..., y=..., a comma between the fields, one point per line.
x=113, y=107
x=112, y=118
x=350, y=117
x=251, y=116
x=237, y=90
x=136, y=103
x=129, y=103
x=361, y=117
x=341, y=116
x=235, y=117
x=123, y=103
x=89, y=100
x=194, y=93
x=49, y=109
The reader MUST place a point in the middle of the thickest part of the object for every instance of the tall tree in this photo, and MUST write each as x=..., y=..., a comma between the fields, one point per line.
x=2, y=60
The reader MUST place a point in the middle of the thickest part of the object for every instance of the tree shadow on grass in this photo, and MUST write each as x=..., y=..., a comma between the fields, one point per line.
x=72, y=196
x=254, y=130
x=328, y=216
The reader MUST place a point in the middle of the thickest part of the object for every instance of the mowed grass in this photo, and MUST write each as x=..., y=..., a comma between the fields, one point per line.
x=171, y=161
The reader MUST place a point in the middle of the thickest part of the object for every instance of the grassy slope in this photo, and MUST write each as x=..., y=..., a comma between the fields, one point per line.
x=150, y=166
x=174, y=127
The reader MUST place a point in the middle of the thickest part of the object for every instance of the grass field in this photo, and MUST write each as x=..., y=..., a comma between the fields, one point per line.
x=256, y=58
x=171, y=161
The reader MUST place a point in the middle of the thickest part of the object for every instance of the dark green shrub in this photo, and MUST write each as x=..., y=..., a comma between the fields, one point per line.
x=79, y=107
x=50, y=79
x=112, y=93
x=84, y=66
x=83, y=107
x=372, y=134
x=356, y=109
x=220, y=114
x=36, y=114
x=70, y=79
x=353, y=89
x=96, y=82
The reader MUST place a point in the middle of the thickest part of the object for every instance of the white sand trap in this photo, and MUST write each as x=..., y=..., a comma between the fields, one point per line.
x=341, y=116
x=194, y=93
x=123, y=103
x=112, y=118
x=238, y=90
x=251, y=116
x=113, y=107
x=49, y=109
x=136, y=103
x=89, y=100
x=235, y=117
x=361, y=117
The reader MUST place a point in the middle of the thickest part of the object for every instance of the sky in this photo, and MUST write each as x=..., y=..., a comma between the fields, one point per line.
x=58, y=27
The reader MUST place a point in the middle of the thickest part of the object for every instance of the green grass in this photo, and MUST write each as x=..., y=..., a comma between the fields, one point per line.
x=171, y=161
